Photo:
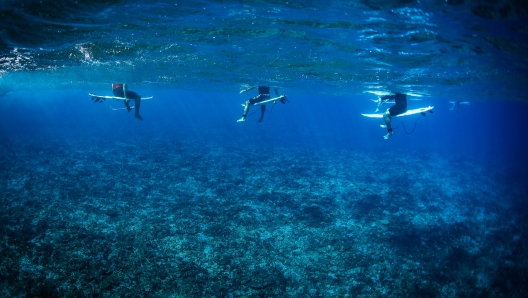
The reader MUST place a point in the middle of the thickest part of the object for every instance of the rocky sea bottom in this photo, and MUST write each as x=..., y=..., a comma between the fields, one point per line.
x=177, y=219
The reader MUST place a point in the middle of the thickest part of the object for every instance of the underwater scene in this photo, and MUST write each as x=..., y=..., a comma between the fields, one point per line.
x=251, y=148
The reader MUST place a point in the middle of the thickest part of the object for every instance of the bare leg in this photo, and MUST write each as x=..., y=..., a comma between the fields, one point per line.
x=136, y=106
x=262, y=110
x=387, y=118
x=246, y=110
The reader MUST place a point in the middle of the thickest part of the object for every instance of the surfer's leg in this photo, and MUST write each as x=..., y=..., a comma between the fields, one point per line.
x=387, y=118
x=246, y=110
x=262, y=110
x=127, y=105
x=137, y=103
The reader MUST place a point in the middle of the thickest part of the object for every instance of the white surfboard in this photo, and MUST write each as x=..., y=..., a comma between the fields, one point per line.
x=408, y=113
x=268, y=100
x=114, y=97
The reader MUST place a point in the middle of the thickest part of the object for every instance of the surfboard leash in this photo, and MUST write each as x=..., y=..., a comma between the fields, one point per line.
x=252, y=113
x=403, y=124
x=117, y=109
x=422, y=114
x=271, y=110
x=257, y=111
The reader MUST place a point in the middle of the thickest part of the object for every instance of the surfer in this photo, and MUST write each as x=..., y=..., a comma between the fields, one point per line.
x=120, y=90
x=264, y=94
x=398, y=108
x=457, y=104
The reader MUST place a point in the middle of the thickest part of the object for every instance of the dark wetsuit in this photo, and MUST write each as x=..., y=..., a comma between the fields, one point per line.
x=118, y=92
x=264, y=94
x=401, y=103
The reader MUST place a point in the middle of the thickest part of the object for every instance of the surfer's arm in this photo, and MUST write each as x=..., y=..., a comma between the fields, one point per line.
x=248, y=88
x=381, y=101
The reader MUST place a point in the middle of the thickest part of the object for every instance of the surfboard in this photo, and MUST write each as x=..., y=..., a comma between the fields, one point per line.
x=377, y=100
x=268, y=100
x=408, y=113
x=104, y=97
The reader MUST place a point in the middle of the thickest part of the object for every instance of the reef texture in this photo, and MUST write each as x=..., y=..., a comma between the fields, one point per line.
x=176, y=219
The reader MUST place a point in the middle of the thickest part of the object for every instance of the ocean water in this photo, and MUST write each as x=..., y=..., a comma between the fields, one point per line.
x=310, y=202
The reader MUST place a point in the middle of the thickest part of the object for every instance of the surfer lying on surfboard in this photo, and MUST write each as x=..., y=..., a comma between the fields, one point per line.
x=261, y=99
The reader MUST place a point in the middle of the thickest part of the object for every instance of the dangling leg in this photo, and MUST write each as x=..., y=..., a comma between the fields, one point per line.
x=387, y=118
x=136, y=106
x=127, y=105
x=262, y=110
x=380, y=102
x=246, y=110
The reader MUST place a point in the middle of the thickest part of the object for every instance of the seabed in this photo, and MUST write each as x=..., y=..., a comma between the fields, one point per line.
x=191, y=219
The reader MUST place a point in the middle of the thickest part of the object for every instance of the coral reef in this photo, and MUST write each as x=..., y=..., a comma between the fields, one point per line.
x=172, y=218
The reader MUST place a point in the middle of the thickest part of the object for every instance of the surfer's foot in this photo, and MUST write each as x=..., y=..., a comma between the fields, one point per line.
x=260, y=120
x=388, y=135
x=241, y=119
x=138, y=116
x=383, y=126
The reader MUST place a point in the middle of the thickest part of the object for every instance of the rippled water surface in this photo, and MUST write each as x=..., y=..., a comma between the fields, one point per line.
x=429, y=47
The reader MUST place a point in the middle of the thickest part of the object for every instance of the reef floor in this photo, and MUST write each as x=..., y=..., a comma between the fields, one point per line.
x=173, y=219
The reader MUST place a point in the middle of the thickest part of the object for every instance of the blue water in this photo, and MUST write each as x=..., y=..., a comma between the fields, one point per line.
x=311, y=202
x=489, y=132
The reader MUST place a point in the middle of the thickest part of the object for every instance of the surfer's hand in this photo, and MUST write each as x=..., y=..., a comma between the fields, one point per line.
x=247, y=89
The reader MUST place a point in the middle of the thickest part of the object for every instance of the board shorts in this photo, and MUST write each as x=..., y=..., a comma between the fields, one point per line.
x=401, y=105
x=118, y=92
x=397, y=109
x=259, y=98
